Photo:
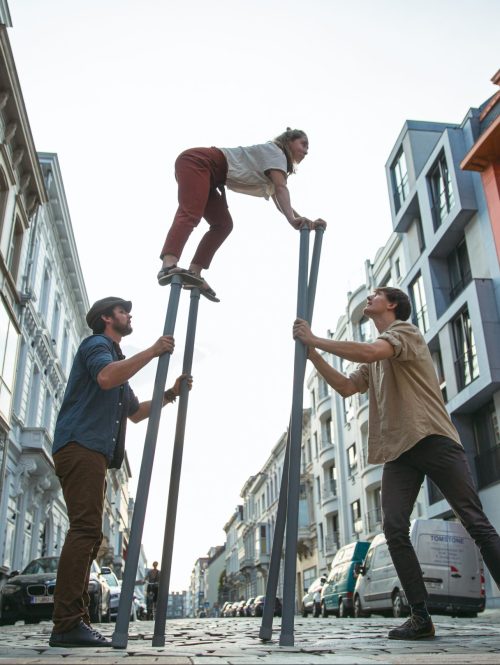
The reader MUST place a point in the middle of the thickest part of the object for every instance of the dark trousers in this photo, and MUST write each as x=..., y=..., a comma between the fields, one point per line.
x=199, y=171
x=444, y=461
x=82, y=474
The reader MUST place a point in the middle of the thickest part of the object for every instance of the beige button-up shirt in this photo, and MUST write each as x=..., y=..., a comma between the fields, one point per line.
x=406, y=404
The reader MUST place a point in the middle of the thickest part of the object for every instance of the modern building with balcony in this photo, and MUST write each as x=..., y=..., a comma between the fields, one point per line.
x=444, y=192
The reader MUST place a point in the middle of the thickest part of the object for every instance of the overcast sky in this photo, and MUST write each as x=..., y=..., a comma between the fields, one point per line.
x=117, y=88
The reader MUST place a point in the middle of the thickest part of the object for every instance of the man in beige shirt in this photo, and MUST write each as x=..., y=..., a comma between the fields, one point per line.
x=411, y=434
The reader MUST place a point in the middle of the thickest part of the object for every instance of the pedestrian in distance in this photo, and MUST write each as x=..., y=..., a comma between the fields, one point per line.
x=152, y=581
x=202, y=175
x=89, y=439
x=411, y=434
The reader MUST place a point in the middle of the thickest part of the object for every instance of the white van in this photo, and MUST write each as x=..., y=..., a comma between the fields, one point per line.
x=451, y=565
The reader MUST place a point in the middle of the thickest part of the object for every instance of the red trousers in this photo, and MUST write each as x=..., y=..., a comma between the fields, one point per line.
x=199, y=171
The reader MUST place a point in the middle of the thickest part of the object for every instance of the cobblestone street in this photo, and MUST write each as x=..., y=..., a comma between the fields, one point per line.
x=235, y=641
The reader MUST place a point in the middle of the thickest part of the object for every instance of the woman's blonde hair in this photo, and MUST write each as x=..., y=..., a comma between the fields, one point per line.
x=283, y=140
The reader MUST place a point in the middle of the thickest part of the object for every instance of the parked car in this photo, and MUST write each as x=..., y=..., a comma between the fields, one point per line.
x=234, y=608
x=225, y=608
x=240, y=608
x=451, y=565
x=29, y=595
x=115, y=588
x=258, y=606
x=248, y=607
x=338, y=591
x=309, y=605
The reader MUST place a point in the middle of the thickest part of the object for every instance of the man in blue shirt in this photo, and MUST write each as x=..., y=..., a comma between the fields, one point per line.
x=89, y=439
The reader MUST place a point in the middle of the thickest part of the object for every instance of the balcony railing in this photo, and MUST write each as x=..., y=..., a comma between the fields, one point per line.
x=460, y=285
x=332, y=542
x=488, y=467
x=373, y=519
x=329, y=490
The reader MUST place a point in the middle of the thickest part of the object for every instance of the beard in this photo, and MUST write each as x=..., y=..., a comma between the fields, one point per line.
x=122, y=329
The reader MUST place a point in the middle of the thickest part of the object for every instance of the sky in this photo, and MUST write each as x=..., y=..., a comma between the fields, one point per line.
x=118, y=88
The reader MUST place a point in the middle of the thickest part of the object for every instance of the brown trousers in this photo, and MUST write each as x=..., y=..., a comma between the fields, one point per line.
x=82, y=474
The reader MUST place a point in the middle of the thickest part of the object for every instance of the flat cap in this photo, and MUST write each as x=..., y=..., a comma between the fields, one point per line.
x=100, y=306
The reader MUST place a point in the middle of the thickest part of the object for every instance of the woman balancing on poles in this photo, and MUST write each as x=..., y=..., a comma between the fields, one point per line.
x=202, y=173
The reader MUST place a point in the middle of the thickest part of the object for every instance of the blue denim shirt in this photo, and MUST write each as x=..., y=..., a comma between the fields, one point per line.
x=90, y=416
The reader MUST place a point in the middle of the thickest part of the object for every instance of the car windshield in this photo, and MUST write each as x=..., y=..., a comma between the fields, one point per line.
x=111, y=579
x=38, y=566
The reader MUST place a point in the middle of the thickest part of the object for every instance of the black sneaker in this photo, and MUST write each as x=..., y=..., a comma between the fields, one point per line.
x=187, y=276
x=79, y=636
x=416, y=628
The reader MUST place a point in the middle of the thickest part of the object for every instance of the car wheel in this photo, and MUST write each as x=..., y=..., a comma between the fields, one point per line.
x=96, y=611
x=304, y=612
x=342, y=610
x=397, y=605
x=324, y=611
x=30, y=621
x=358, y=610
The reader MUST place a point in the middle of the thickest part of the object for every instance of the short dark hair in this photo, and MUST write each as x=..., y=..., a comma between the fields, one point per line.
x=403, y=305
x=98, y=325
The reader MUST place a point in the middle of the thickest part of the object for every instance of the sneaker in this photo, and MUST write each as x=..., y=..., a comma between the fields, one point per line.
x=415, y=628
x=79, y=636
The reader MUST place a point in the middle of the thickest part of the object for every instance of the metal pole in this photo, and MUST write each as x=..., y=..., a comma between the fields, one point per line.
x=175, y=476
x=265, y=632
x=287, y=623
x=120, y=635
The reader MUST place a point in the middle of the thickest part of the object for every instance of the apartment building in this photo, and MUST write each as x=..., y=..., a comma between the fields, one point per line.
x=443, y=187
x=43, y=302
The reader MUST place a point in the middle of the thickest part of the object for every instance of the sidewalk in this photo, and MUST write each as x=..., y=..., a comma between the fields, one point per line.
x=236, y=641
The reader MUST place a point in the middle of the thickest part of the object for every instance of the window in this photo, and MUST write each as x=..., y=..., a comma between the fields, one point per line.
x=441, y=191
x=397, y=268
x=419, y=314
x=348, y=408
x=7, y=220
x=322, y=388
x=332, y=479
x=357, y=522
x=420, y=233
x=365, y=330
x=321, y=538
x=466, y=365
x=15, y=247
x=433, y=492
x=44, y=297
x=56, y=316
x=326, y=426
x=459, y=269
x=399, y=174
x=352, y=460
x=487, y=440
x=318, y=489
x=309, y=575
x=438, y=366
x=8, y=356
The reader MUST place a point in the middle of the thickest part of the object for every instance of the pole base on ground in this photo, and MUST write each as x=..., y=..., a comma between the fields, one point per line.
x=286, y=640
x=265, y=633
x=158, y=641
x=119, y=640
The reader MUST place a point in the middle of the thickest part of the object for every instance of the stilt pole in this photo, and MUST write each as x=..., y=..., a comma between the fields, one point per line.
x=120, y=635
x=265, y=632
x=292, y=514
x=175, y=475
